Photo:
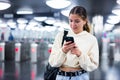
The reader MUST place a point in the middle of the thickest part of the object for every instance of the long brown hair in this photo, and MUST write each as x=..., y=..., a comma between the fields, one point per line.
x=81, y=11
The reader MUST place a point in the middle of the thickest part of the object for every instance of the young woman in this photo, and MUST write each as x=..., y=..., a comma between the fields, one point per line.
x=75, y=60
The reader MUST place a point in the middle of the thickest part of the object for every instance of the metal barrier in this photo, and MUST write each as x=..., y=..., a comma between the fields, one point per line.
x=25, y=51
x=2, y=51
x=17, y=52
x=22, y=51
x=33, y=52
x=10, y=51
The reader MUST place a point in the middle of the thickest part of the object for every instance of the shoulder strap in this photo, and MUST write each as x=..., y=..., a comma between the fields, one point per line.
x=65, y=34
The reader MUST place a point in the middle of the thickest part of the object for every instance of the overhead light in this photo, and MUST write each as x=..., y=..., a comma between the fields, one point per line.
x=8, y=15
x=116, y=10
x=3, y=25
x=22, y=21
x=113, y=19
x=11, y=23
x=118, y=2
x=50, y=20
x=4, y=4
x=25, y=10
x=40, y=18
x=58, y=4
x=65, y=12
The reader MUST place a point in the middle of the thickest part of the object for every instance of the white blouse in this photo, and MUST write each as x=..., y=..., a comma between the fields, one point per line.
x=88, y=45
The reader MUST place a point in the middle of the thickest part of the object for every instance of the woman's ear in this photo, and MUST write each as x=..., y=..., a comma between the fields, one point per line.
x=86, y=21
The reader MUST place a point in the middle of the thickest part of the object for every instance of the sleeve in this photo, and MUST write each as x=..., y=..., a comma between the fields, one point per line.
x=57, y=57
x=90, y=61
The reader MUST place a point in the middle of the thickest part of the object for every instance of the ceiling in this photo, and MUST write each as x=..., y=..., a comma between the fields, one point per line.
x=94, y=7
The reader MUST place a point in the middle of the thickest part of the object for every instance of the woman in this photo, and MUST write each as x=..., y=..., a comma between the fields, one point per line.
x=75, y=60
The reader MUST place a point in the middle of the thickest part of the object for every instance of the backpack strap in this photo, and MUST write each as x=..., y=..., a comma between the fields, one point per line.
x=65, y=34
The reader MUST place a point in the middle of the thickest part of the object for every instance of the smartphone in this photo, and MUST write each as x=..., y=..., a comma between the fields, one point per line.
x=69, y=38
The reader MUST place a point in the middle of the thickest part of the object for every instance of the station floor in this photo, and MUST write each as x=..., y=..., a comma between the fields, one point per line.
x=10, y=70
x=109, y=68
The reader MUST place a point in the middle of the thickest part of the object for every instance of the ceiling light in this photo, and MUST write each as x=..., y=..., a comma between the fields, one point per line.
x=4, y=4
x=25, y=10
x=65, y=12
x=50, y=20
x=22, y=21
x=8, y=15
x=58, y=4
x=3, y=25
x=113, y=19
x=118, y=2
x=11, y=23
x=40, y=18
x=116, y=10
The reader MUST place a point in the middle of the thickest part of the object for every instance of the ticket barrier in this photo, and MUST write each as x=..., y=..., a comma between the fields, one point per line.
x=25, y=51
x=34, y=52
x=17, y=52
x=2, y=70
x=2, y=51
x=10, y=51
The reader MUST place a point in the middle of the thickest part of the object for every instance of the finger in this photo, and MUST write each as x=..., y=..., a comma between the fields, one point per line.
x=69, y=42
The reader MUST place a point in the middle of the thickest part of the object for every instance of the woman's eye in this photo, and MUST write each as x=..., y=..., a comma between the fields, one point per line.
x=77, y=21
x=70, y=21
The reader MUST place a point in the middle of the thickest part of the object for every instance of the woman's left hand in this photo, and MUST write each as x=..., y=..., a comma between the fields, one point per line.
x=76, y=51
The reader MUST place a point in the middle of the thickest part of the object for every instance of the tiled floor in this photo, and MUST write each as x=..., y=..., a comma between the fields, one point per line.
x=21, y=71
x=11, y=70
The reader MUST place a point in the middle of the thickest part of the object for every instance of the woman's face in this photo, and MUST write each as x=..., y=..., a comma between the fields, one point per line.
x=76, y=23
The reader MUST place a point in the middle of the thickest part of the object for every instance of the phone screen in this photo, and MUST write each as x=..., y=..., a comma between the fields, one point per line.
x=69, y=39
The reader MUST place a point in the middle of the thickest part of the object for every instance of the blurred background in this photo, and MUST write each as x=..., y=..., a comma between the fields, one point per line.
x=28, y=29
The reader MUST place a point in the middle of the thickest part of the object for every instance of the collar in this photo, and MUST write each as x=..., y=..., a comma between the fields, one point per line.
x=79, y=34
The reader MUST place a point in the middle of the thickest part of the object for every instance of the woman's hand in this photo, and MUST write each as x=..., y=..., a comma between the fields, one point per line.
x=68, y=46
x=76, y=51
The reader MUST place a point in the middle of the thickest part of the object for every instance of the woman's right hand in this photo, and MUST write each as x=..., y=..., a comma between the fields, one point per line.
x=68, y=46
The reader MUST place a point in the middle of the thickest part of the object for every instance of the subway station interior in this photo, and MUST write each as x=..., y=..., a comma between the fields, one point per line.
x=28, y=29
